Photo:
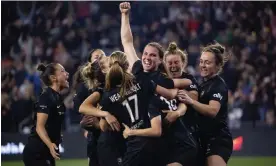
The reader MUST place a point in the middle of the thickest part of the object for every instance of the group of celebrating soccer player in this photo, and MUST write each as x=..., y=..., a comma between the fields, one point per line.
x=138, y=112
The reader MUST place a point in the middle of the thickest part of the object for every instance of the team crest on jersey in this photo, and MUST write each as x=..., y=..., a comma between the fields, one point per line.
x=60, y=113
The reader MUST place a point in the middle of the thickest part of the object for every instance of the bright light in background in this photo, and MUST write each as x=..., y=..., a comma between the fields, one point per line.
x=237, y=143
x=14, y=148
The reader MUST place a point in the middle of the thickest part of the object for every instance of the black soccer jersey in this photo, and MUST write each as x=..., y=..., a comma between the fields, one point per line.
x=156, y=76
x=82, y=92
x=50, y=102
x=159, y=79
x=133, y=109
x=214, y=89
x=191, y=116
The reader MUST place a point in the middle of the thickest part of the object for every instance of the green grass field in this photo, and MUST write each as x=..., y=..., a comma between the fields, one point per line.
x=235, y=161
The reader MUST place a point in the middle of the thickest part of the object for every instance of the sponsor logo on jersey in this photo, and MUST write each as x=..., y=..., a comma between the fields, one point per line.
x=217, y=95
x=193, y=86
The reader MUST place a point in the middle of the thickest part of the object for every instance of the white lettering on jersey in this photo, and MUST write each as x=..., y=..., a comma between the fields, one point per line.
x=115, y=97
x=133, y=89
x=43, y=106
x=172, y=103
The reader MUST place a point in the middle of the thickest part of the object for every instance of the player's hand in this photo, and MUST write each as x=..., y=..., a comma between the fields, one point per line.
x=85, y=134
x=184, y=97
x=54, y=151
x=126, y=131
x=88, y=121
x=125, y=7
x=104, y=126
x=113, y=122
x=171, y=116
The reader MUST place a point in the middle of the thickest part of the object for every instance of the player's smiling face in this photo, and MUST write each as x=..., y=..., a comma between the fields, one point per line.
x=175, y=65
x=150, y=59
x=207, y=65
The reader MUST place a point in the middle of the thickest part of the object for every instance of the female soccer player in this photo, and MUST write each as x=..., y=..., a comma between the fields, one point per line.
x=212, y=105
x=110, y=145
x=128, y=99
x=183, y=146
x=150, y=66
x=42, y=146
x=152, y=57
x=90, y=123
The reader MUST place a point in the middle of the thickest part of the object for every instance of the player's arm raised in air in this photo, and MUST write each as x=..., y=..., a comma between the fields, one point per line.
x=88, y=108
x=126, y=34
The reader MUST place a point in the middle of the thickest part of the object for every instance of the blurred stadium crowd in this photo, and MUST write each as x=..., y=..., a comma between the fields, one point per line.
x=65, y=32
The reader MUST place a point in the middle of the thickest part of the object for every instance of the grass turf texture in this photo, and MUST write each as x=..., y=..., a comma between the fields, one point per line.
x=234, y=161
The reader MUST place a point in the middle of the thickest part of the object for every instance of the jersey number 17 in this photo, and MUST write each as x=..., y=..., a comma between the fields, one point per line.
x=129, y=109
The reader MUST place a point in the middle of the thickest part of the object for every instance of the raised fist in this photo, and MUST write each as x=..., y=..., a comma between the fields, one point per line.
x=124, y=7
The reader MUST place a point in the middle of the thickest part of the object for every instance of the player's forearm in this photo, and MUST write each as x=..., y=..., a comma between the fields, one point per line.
x=149, y=132
x=181, y=83
x=167, y=93
x=193, y=94
x=126, y=34
x=42, y=133
x=104, y=126
x=204, y=109
x=181, y=110
x=91, y=110
x=90, y=124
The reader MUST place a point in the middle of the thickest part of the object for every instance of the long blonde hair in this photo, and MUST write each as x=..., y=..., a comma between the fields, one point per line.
x=92, y=74
x=117, y=75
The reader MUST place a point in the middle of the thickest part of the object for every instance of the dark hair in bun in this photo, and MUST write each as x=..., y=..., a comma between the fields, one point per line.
x=173, y=49
x=46, y=71
x=221, y=56
x=41, y=67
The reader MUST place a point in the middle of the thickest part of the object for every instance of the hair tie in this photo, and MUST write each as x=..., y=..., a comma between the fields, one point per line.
x=117, y=62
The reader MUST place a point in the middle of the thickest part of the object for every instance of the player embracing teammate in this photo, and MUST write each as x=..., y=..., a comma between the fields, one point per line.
x=158, y=129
